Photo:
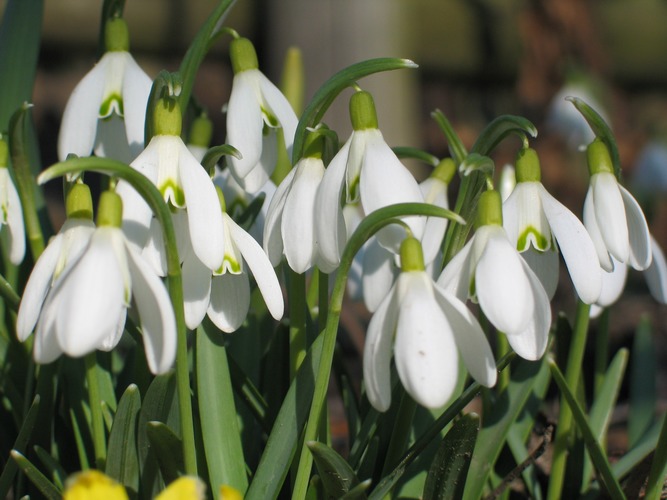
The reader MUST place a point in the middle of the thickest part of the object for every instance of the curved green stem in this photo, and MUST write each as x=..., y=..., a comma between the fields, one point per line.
x=99, y=436
x=7, y=292
x=174, y=282
x=298, y=343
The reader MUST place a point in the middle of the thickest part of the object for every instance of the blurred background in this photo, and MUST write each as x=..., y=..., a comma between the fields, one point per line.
x=477, y=59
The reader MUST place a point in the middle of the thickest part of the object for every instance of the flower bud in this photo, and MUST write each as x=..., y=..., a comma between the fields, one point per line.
x=79, y=203
x=528, y=166
x=243, y=55
x=412, y=255
x=362, y=111
x=490, y=209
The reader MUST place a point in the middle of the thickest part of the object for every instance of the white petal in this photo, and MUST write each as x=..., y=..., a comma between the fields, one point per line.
x=656, y=274
x=377, y=352
x=108, y=343
x=111, y=139
x=456, y=277
x=273, y=240
x=297, y=225
x=158, y=324
x=378, y=274
x=435, y=193
x=261, y=269
x=136, y=89
x=230, y=301
x=154, y=252
x=470, y=339
x=259, y=175
x=425, y=351
x=613, y=284
x=244, y=123
x=503, y=289
x=281, y=108
x=531, y=343
x=204, y=213
x=640, y=239
x=591, y=225
x=46, y=348
x=196, y=290
x=545, y=265
x=13, y=235
x=385, y=181
x=526, y=221
x=79, y=124
x=576, y=246
x=610, y=215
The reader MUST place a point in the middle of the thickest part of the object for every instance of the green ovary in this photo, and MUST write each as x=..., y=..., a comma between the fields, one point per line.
x=540, y=242
x=113, y=103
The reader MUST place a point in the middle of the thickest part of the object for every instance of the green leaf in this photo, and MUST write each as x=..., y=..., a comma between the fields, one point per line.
x=41, y=482
x=213, y=155
x=597, y=453
x=601, y=130
x=643, y=376
x=122, y=460
x=217, y=411
x=416, y=154
x=358, y=492
x=337, y=476
x=168, y=450
x=447, y=474
x=328, y=92
x=499, y=129
x=55, y=470
x=656, y=478
x=456, y=147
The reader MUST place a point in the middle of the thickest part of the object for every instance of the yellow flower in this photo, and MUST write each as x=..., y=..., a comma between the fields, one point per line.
x=93, y=484
x=229, y=493
x=184, y=488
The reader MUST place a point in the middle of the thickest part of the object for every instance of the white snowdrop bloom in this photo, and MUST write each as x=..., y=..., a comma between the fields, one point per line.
x=256, y=110
x=63, y=249
x=224, y=294
x=87, y=306
x=12, y=227
x=366, y=170
x=612, y=216
x=428, y=328
x=489, y=269
x=184, y=184
x=535, y=221
x=107, y=108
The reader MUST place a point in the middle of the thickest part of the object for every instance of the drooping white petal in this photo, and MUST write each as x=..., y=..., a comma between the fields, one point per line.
x=378, y=274
x=244, y=122
x=273, y=240
x=425, y=351
x=526, y=224
x=93, y=294
x=531, y=342
x=279, y=106
x=435, y=193
x=203, y=209
x=576, y=246
x=13, y=235
x=502, y=287
x=656, y=273
x=136, y=89
x=158, y=324
x=76, y=235
x=111, y=139
x=378, y=350
x=610, y=215
x=545, y=265
x=298, y=224
x=591, y=225
x=261, y=269
x=385, y=181
x=457, y=275
x=196, y=290
x=46, y=348
x=108, y=343
x=640, y=239
x=230, y=301
x=469, y=336
x=79, y=124
x=613, y=284
x=260, y=174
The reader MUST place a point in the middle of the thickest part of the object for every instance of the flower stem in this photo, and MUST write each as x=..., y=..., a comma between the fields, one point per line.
x=601, y=350
x=565, y=425
x=297, y=315
x=401, y=432
x=99, y=436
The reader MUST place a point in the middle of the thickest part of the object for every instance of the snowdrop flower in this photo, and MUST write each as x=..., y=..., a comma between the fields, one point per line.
x=535, y=221
x=428, y=327
x=63, y=249
x=225, y=296
x=612, y=216
x=291, y=218
x=184, y=184
x=255, y=111
x=489, y=269
x=87, y=305
x=106, y=110
x=366, y=170
x=12, y=228
x=434, y=189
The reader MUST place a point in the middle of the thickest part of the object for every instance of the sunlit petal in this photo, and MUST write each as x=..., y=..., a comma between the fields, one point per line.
x=136, y=89
x=640, y=239
x=610, y=215
x=244, y=122
x=230, y=301
x=378, y=274
x=435, y=193
x=273, y=240
x=613, y=284
x=196, y=290
x=457, y=276
x=281, y=108
x=13, y=235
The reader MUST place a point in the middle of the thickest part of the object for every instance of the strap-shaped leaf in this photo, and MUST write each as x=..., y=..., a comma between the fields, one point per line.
x=122, y=459
x=643, y=376
x=41, y=482
x=168, y=450
x=456, y=147
x=337, y=476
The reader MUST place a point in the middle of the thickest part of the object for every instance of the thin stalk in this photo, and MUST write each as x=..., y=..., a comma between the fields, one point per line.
x=298, y=343
x=323, y=301
x=656, y=478
x=601, y=350
x=502, y=348
x=99, y=436
x=400, y=433
x=8, y=294
x=565, y=424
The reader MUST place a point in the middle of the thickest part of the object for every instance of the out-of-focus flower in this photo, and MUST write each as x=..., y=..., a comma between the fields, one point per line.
x=107, y=109
x=535, y=221
x=93, y=484
x=489, y=269
x=256, y=110
x=612, y=216
x=428, y=327
x=184, y=488
x=12, y=228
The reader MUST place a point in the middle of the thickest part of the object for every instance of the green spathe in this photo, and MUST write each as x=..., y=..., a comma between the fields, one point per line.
x=79, y=203
x=167, y=118
x=116, y=36
x=243, y=55
x=490, y=209
x=110, y=210
x=362, y=111
x=528, y=166
x=598, y=157
x=412, y=255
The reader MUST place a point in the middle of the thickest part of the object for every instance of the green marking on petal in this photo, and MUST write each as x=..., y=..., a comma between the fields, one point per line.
x=532, y=235
x=229, y=265
x=172, y=192
x=112, y=104
x=269, y=118
x=5, y=214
